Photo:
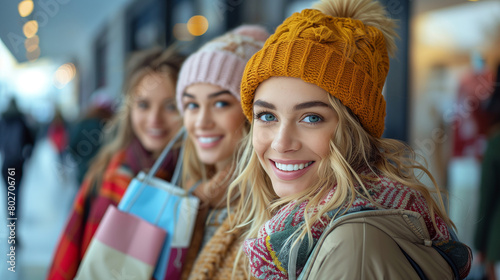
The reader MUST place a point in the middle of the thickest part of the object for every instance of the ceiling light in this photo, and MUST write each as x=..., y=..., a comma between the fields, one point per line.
x=197, y=25
x=25, y=8
x=30, y=28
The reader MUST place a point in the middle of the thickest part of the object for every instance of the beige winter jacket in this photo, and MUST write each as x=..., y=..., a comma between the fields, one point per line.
x=369, y=244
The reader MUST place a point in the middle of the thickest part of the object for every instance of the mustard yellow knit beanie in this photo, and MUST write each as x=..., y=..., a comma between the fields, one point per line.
x=342, y=46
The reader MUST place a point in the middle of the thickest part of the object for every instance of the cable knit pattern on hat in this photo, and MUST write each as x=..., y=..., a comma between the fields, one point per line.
x=221, y=61
x=341, y=55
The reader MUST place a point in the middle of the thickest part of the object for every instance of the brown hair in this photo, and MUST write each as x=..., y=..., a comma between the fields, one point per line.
x=118, y=130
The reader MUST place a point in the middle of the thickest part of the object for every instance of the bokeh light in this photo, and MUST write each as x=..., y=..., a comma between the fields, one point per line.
x=34, y=54
x=197, y=25
x=30, y=28
x=64, y=74
x=25, y=8
x=181, y=32
x=31, y=43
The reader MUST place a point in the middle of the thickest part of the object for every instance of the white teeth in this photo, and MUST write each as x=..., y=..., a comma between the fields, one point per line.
x=291, y=167
x=155, y=132
x=207, y=140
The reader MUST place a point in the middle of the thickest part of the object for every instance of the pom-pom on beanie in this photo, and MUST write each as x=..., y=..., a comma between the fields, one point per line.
x=221, y=61
x=341, y=46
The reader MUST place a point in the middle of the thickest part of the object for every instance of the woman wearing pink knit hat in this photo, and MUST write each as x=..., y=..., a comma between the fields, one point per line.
x=208, y=96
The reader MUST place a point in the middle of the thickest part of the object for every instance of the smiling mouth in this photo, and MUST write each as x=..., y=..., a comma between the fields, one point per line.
x=209, y=140
x=156, y=132
x=292, y=167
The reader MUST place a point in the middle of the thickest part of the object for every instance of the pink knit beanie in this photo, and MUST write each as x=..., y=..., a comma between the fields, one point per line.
x=221, y=61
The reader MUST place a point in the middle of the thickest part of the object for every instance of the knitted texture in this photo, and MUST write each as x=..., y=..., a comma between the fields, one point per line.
x=460, y=256
x=216, y=260
x=343, y=56
x=221, y=61
x=269, y=252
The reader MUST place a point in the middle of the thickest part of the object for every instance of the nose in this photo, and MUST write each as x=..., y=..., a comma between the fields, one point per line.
x=155, y=115
x=204, y=119
x=286, y=139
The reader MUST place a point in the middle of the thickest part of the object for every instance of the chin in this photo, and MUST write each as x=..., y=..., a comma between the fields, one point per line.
x=154, y=147
x=283, y=191
x=207, y=157
x=207, y=160
x=288, y=189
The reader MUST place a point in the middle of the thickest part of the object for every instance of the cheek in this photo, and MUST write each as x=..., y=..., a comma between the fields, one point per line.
x=188, y=120
x=135, y=119
x=173, y=119
x=321, y=145
x=236, y=116
x=260, y=141
x=233, y=122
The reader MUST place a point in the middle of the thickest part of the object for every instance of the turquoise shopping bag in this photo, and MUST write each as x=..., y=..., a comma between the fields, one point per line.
x=148, y=195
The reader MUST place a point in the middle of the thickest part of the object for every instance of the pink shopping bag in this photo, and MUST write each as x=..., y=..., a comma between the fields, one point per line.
x=123, y=247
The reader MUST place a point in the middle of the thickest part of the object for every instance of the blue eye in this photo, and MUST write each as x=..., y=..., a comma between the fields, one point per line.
x=266, y=117
x=190, y=106
x=170, y=107
x=143, y=104
x=220, y=104
x=312, y=119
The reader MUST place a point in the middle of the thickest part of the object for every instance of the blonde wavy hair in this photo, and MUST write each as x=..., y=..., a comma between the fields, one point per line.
x=352, y=149
x=118, y=131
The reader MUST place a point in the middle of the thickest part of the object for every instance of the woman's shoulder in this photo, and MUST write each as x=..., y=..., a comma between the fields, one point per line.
x=391, y=194
x=379, y=237
x=388, y=193
x=117, y=168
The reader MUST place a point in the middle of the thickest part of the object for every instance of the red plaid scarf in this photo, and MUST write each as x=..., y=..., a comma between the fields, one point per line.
x=269, y=252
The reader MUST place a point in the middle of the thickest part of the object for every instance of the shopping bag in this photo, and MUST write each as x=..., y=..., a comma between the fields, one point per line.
x=123, y=247
x=148, y=195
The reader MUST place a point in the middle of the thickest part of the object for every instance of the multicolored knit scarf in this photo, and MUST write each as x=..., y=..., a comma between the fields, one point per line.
x=271, y=251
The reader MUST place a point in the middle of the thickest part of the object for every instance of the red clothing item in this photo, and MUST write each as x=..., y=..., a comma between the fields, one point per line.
x=58, y=136
x=470, y=121
x=88, y=210
x=81, y=226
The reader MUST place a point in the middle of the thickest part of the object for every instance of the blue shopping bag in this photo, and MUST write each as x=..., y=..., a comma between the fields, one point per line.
x=146, y=196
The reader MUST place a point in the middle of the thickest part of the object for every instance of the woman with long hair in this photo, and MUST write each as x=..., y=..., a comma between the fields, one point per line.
x=322, y=194
x=208, y=96
x=146, y=122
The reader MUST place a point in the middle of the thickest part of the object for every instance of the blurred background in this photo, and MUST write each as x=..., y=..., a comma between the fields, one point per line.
x=61, y=59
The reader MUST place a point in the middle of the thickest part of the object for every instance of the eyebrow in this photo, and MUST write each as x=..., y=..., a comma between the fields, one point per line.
x=141, y=98
x=300, y=106
x=264, y=104
x=306, y=105
x=212, y=95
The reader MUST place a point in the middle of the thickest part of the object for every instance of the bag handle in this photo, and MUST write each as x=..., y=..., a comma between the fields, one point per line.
x=163, y=155
x=156, y=166
x=178, y=168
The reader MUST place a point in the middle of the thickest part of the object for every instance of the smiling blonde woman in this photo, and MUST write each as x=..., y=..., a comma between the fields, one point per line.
x=136, y=135
x=323, y=195
x=208, y=95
